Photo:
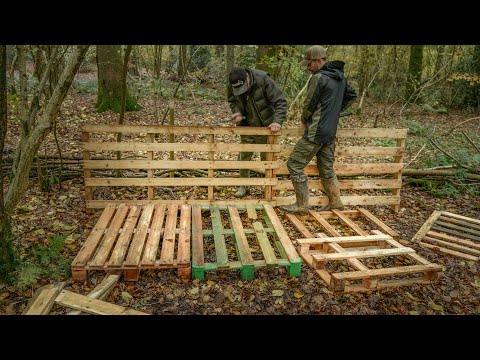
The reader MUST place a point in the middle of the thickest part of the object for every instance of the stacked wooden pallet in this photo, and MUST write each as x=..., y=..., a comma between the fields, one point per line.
x=451, y=234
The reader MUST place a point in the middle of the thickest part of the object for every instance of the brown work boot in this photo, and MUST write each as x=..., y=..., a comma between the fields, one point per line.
x=301, y=205
x=332, y=191
x=242, y=192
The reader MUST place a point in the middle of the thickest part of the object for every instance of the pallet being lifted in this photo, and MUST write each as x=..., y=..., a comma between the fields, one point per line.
x=227, y=224
x=320, y=251
x=135, y=237
x=451, y=234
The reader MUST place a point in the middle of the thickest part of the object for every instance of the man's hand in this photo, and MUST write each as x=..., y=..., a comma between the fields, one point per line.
x=274, y=127
x=236, y=118
x=303, y=125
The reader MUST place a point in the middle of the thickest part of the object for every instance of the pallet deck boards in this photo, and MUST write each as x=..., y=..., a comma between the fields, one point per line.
x=131, y=238
x=451, y=234
x=371, y=279
x=320, y=219
x=230, y=223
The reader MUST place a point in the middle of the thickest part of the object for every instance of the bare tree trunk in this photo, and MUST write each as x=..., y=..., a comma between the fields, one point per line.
x=230, y=58
x=414, y=70
x=109, y=62
x=7, y=264
x=266, y=58
x=32, y=139
x=124, y=97
x=158, y=60
x=182, y=60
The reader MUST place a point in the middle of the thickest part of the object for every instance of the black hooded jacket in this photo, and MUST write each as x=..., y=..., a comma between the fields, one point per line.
x=328, y=94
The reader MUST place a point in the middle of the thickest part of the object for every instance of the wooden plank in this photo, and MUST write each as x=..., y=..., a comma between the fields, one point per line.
x=135, y=251
x=331, y=230
x=426, y=226
x=43, y=300
x=450, y=252
x=183, y=250
x=398, y=175
x=102, y=290
x=150, y=172
x=181, y=182
x=168, y=244
x=282, y=234
x=93, y=240
x=92, y=306
x=120, y=250
x=460, y=217
x=466, y=224
x=454, y=232
x=197, y=237
x=354, y=262
x=410, y=269
x=267, y=250
x=103, y=252
x=240, y=237
x=379, y=223
x=153, y=240
x=349, y=223
x=363, y=254
x=453, y=239
x=85, y=137
x=346, y=184
x=193, y=130
x=251, y=212
x=271, y=139
x=354, y=132
x=218, y=237
x=211, y=157
x=344, y=239
x=299, y=225
x=369, y=151
x=462, y=228
x=348, y=169
x=346, y=200
x=140, y=146
x=453, y=246
x=98, y=204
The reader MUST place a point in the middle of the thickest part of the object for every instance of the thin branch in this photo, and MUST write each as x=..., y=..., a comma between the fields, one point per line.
x=463, y=122
x=450, y=156
x=423, y=147
x=471, y=142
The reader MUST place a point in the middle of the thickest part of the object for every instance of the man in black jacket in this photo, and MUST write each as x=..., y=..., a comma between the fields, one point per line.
x=327, y=95
x=255, y=100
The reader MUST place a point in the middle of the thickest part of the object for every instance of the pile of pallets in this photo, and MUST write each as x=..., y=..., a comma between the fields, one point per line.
x=451, y=234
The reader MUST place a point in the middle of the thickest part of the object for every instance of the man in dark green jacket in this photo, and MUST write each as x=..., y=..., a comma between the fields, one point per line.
x=328, y=93
x=255, y=100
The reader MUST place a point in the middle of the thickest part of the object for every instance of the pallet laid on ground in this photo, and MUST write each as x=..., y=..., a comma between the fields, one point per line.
x=48, y=295
x=226, y=224
x=134, y=237
x=344, y=217
x=320, y=251
x=451, y=234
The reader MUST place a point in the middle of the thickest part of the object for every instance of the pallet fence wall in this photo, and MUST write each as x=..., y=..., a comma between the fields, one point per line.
x=367, y=175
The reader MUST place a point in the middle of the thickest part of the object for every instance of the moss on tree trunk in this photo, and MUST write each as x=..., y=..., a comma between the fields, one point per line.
x=414, y=72
x=109, y=62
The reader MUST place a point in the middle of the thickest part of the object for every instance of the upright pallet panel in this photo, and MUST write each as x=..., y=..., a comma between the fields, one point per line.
x=243, y=226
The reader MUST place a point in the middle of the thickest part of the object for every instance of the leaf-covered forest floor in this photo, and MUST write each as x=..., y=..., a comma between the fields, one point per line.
x=41, y=216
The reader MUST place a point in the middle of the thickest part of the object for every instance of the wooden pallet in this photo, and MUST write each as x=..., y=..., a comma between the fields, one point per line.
x=238, y=233
x=451, y=234
x=319, y=220
x=49, y=295
x=131, y=238
x=319, y=250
